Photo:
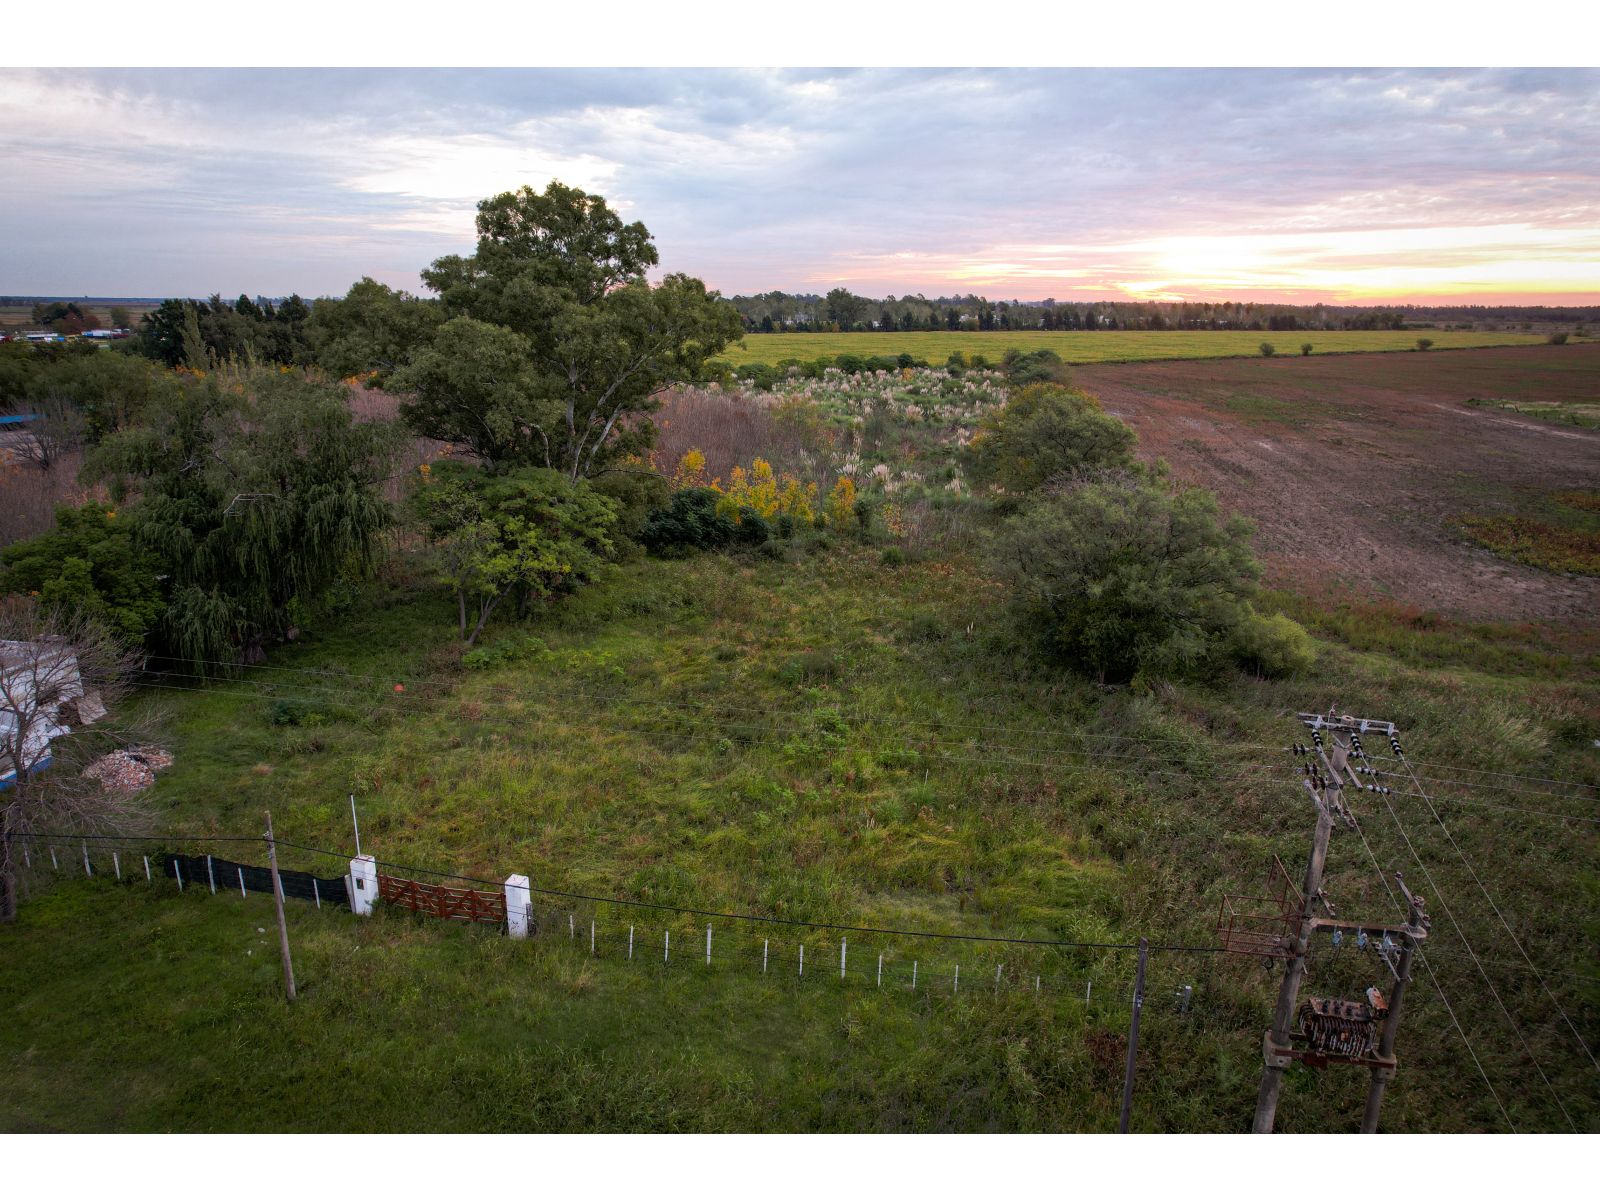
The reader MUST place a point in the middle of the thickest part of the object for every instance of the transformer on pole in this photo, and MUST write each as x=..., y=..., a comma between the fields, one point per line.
x=1283, y=923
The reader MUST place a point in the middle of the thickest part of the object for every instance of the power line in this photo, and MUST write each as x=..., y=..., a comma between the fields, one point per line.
x=1515, y=1028
x=1433, y=975
x=1475, y=878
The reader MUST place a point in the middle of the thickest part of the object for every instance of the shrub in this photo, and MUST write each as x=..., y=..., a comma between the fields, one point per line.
x=1126, y=579
x=892, y=556
x=1045, y=431
x=1273, y=646
x=90, y=564
x=1035, y=366
x=1268, y=349
x=1557, y=339
x=1424, y=343
x=690, y=522
x=1305, y=349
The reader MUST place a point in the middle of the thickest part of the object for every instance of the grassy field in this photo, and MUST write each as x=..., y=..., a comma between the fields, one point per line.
x=1103, y=346
x=821, y=738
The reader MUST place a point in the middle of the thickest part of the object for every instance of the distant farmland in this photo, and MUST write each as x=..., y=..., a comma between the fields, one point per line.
x=1103, y=346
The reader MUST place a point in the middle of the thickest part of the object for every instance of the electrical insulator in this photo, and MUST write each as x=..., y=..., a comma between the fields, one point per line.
x=1361, y=939
x=1338, y=938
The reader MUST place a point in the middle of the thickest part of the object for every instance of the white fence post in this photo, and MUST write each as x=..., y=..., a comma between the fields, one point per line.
x=802, y=960
x=880, y=970
x=211, y=875
x=764, y=943
x=86, y=868
x=517, y=906
x=591, y=936
x=177, y=871
x=116, y=865
x=843, y=942
x=955, y=984
x=242, y=892
x=54, y=865
x=630, y=943
x=146, y=858
x=708, y=945
x=913, y=974
x=316, y=893
x=666, y=944
x=363, y=884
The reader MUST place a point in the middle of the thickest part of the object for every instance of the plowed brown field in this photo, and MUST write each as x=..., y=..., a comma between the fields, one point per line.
x=1356, y=467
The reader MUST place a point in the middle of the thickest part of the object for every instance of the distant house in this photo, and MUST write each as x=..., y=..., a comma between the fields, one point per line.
x=42, y=697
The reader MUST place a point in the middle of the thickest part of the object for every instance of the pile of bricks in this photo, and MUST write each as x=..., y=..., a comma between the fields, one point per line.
x=128, y=770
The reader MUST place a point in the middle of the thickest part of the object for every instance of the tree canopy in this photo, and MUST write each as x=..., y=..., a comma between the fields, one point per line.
x=522, y=536
x=258, y=490
x=555, y=344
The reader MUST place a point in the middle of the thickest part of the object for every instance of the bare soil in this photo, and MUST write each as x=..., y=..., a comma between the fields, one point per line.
x=1357, y=467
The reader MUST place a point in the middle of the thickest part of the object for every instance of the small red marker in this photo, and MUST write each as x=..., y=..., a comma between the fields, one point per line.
x=399, y=687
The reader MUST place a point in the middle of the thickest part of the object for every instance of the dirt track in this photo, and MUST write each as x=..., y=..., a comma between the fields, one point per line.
x=1355, y=466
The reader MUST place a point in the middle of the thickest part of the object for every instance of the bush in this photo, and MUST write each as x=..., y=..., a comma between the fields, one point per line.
x=690, y=522
x=1424, y=343
x=892, y=556
x=1557, y=339
x=1273, y=646
x=1268, y=349
x=1035, y=366
x=1305, y=349
x=1043, y=432
x=1126, y=579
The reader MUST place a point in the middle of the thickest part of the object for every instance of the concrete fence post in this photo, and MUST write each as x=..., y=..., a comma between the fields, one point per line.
x=517, y=898
x=363, y=884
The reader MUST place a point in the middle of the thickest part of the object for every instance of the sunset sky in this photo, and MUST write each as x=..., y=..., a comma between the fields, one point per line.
x=1318, y=185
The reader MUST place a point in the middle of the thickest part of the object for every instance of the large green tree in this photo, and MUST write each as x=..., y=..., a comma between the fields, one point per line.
x=560, y=270
x=373, y=329
x=259, y=490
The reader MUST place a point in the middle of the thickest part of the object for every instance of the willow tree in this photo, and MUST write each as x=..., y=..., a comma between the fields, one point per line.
x=583, y=344
x=258, y=491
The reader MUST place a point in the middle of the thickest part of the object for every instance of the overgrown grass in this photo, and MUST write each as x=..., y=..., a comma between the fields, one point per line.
x=1089, y=346
x=816, y=737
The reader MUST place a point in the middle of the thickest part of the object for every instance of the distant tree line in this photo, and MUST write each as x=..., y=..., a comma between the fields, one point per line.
x=841, y=311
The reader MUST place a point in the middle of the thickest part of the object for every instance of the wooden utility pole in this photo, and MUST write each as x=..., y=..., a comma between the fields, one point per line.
x=1330, y=1029
x=1133, y=1036
x=1382, y=1073
x=277, y=900
x=1277, y=1040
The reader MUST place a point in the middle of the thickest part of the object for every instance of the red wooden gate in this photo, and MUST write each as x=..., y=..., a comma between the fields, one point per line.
x=448, y=903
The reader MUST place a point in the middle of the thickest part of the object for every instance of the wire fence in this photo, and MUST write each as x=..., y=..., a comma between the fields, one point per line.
x=644, y=935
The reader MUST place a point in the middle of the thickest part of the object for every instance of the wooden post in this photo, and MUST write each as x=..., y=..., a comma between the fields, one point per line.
x=1277, y=1038
x=1133, y=1037
x=1391, y=1023
x=277, y=900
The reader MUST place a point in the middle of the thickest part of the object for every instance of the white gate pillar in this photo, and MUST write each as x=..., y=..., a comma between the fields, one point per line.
x=363, y=884
x=517, y=899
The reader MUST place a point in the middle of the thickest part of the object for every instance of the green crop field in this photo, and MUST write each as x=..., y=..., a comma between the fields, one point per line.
x=1105, y=346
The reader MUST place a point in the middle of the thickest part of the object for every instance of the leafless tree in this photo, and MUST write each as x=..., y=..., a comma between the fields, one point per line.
x=57, y=429
x=63, y=683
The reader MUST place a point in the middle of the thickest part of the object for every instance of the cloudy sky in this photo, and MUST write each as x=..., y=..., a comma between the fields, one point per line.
x=1346, y=186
